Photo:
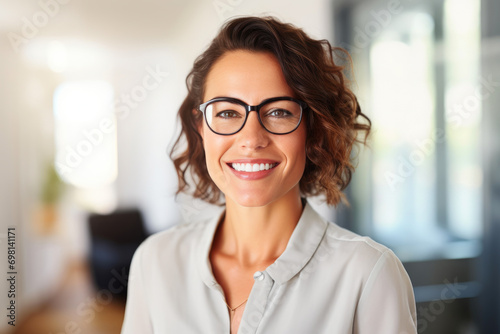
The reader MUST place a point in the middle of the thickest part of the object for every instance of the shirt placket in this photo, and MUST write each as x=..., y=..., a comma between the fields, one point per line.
x=257, y=303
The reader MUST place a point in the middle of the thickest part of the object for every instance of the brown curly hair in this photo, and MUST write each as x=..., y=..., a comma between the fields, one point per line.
x=308, y=65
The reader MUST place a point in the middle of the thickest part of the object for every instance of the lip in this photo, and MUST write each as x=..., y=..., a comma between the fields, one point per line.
x=252, y=161
x=252, y=175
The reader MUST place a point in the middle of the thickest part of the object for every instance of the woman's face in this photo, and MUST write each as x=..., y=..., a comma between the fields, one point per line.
x=252, y=77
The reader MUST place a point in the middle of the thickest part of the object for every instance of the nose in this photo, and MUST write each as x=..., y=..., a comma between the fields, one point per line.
x=253, y=135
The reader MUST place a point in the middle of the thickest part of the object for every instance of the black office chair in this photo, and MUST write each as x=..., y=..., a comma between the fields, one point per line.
x=114, y=239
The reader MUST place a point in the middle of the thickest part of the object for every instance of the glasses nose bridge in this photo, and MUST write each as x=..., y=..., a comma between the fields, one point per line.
x=249, y=109
x=252, y=108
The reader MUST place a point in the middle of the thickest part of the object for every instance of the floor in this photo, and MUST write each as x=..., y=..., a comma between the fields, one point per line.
x=77, y=308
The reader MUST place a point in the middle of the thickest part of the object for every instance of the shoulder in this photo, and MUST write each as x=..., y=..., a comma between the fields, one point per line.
x=351, y=240
x=358, y=253
x=177, y=234
x=380, y=280
x=364, y=263
x=174, y=244
x=341, y=249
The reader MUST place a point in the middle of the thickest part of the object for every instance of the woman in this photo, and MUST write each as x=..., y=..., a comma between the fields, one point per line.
x=269, y=263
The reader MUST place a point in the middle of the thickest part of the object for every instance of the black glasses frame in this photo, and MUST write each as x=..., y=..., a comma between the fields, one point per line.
x=202, y=107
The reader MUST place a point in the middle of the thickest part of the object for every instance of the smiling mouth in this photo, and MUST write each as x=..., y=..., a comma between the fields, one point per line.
x=247, y=167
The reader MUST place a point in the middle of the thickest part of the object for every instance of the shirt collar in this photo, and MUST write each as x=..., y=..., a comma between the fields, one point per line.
x=203, y=254
x=303, y=242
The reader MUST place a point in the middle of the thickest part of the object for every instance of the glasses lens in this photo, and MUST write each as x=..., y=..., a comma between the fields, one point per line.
x=281, y=116
x=225, y=117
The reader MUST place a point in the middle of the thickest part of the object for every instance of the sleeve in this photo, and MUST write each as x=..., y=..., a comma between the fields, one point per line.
x=137, y=317
x=387, y=303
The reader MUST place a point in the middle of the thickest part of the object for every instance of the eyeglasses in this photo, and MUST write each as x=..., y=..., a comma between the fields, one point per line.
x=278, y=115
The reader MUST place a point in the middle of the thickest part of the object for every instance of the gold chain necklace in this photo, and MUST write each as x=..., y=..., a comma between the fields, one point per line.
x=234, y=309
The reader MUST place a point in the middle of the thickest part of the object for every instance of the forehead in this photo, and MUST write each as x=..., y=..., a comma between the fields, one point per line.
x=248, y=76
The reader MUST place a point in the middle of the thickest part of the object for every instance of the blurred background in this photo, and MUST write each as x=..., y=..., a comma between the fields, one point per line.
x=89, y=92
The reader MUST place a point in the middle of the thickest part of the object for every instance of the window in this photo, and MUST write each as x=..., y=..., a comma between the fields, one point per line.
x=418, y=188
x=85, y=135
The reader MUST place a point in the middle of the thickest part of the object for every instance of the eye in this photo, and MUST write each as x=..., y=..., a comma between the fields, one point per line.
x=279, y=113
x=227, y=114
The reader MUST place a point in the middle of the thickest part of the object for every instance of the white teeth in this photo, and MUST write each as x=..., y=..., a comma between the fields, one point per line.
x=252, y=168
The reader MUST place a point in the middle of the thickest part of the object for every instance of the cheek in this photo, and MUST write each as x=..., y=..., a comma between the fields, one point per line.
x=212, y=162
x=302, y=153
x=301, y=160
x=214, y=148
x=296, y=151
x=300, y=144
x=210, y=150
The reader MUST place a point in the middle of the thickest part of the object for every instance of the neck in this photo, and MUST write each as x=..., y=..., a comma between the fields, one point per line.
x=257, y=236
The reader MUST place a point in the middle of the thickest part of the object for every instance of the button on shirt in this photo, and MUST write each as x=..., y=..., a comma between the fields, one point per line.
x=328, y=280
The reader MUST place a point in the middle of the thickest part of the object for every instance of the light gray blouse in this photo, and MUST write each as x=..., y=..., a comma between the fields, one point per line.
x=328, y=280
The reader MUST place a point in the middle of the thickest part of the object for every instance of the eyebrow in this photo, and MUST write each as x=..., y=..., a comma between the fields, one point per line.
x=234, y=98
